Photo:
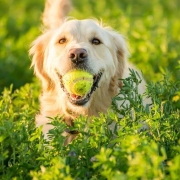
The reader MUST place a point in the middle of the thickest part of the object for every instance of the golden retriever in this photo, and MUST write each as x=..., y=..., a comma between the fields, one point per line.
x=76, y=44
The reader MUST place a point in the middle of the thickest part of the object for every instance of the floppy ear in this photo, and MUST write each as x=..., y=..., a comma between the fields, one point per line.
x=121, y=55
x=38, y=50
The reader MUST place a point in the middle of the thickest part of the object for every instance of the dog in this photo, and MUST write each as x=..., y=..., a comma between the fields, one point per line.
x=77, y=44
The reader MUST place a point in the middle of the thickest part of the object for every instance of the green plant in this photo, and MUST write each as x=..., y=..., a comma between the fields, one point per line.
x=142, y=143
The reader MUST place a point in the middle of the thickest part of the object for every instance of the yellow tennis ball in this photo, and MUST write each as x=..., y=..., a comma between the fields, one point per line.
x=78, y=82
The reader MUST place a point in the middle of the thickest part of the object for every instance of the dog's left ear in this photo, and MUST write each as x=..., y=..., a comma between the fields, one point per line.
x=37, y=51
x=121, y=51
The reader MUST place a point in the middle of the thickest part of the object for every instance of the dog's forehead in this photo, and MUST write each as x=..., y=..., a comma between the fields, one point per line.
x=82, y=28
x=79, y=23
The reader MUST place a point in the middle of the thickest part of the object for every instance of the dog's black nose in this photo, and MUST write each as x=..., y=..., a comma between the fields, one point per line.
x=78, y=55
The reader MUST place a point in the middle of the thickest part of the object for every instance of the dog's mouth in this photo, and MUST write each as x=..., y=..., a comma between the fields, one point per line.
x=82, y=100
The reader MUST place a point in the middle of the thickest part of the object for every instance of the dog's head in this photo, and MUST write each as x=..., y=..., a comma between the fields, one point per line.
x=80, y=44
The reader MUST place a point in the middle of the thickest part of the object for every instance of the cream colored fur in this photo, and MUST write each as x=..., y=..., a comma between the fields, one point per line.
x=50, y=57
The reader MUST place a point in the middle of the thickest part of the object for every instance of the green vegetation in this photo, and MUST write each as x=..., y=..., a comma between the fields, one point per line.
x=19, y=24
x=128, y=151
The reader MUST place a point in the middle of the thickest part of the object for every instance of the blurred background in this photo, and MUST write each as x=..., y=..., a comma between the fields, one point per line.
x=152, y=29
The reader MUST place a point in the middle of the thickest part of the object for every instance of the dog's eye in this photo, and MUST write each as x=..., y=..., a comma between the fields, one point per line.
x=62, y=40
x=96, y=41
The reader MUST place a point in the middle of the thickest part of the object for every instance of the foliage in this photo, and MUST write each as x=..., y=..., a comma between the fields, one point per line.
x=131, y=142
x=19, y=26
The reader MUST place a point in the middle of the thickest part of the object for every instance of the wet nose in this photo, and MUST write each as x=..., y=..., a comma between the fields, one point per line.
x=78, y=55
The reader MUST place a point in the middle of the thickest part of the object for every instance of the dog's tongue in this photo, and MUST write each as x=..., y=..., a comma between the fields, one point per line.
x=75, y=96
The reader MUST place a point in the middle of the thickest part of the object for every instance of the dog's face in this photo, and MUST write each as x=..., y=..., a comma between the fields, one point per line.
x=80, y=44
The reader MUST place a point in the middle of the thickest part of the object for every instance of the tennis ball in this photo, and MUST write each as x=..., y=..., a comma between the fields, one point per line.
x=78, y=82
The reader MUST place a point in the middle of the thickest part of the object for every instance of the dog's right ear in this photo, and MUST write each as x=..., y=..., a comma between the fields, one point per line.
x=38, y=51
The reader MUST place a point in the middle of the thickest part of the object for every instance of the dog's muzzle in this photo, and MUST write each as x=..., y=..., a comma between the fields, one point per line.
x=81, y=100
